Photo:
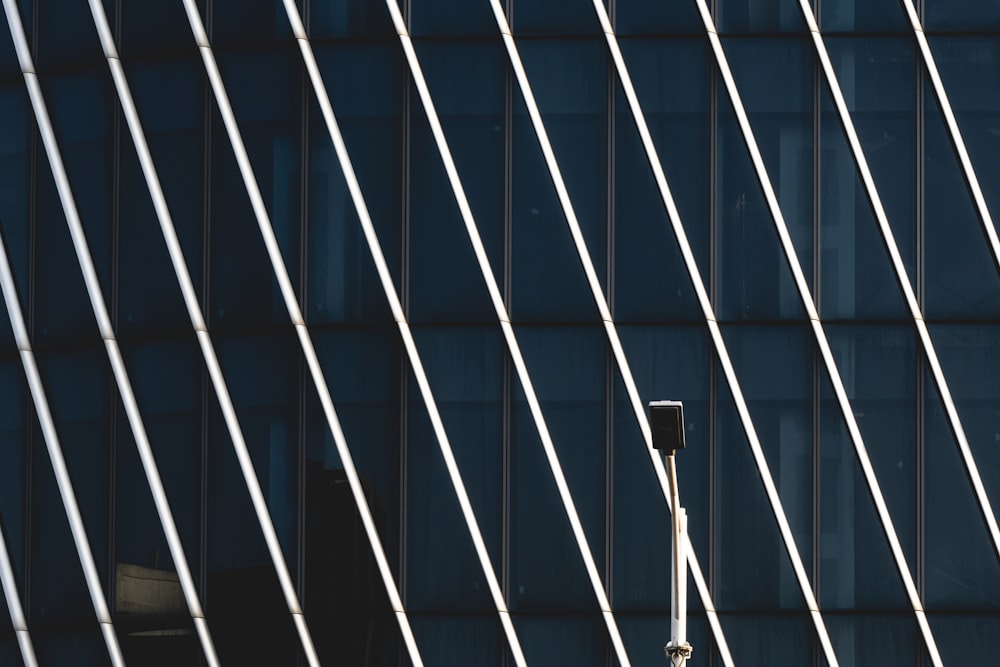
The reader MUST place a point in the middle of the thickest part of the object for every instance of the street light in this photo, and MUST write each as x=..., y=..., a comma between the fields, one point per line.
x=667, y=421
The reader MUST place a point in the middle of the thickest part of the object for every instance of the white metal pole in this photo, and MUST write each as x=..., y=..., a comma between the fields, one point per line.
x=678, y=650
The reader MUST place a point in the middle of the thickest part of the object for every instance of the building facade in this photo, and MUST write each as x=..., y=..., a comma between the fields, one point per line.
x=330, y=327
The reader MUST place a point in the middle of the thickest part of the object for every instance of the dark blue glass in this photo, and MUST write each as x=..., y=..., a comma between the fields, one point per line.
x=78, y=386
x=345, y=597
x=556, y=17
x=960, y=274
x=775, y=79
x=961, y=15
x=969, y=639
x=651, y=280
x=15, y=179
x=441, y=18
x=251, y=619
x=170, y=98
x=466, y=372
x=350, y=18
x=445, y=280
x=459, y=640
x=76, y=646
x=568, y=369
x=82, y=117
x=763, y=640
x=767, y=16
x=570, y=83
x=955, y=578
x=67, y=37
x=637, y=17
x=878, y=79
x=856, y=277
x=265, y=91
x=754, y=279
x=166, y=378
x=668, y=363
x=863, y=16
x=878, y=365
x=747, y=536
x=154, y=29
x=366, y=86
x=580, y=639
x=241, y=23
x=774, y=367
x=856, y=567
x=876, y=639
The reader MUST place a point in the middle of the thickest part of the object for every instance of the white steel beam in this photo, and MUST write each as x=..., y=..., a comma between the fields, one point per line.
x=904, y=281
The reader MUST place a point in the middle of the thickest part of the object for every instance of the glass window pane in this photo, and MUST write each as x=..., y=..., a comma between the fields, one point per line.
x=465, y=370
x=554, y=17
x=668, y=363
x=863, y=16
x=651, y=280
x=878, y=366
x=754, y=280
x=856, y=277
x=445, y=281
x=740, y=16
x=568, y=369
x=366, y=86
x=251, y=619
x=878, y=79
x=971, y=15
x=875, y=640
x=775, y=78
x=569, y=80
x=638, y=17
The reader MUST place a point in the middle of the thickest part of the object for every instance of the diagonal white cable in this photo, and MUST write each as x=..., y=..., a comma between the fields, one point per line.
x=511, y=341
x=204, y=340
x=905, y=285
x=599, y=297
x=991, y=236
x=395, y=305
x=63, y=482
x=956, y=136
x=7, y=580
x=818, y=331
x=196, y=315
x=295, y=313
x=114, y=356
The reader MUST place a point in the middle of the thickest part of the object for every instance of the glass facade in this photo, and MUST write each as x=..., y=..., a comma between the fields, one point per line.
x=331, y=325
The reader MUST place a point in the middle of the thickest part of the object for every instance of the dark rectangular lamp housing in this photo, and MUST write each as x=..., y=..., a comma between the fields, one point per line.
x=667, y=421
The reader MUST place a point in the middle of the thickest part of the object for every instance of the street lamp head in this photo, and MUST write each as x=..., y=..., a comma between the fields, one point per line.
x=666, y=418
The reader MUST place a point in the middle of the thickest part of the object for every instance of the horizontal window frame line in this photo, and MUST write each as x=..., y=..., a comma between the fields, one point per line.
x=119, y=372
x=917, y=316
x=413, y=356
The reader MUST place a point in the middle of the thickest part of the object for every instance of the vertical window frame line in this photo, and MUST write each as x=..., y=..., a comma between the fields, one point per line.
x=63, y=482
x=889, y=240
x=8, y=582
x=920, y=324
x=513, y=347
x=312, y=362
x=796, y=560
x=819, y=333
x=598, y=293
x=16, y=31
x=393, y=298
x=958, y=142
x=722, y=353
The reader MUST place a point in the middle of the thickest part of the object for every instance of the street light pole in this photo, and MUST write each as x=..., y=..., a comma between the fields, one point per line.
x=667, y=421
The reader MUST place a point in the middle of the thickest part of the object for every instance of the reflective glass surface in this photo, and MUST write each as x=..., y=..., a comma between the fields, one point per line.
x=591, y=395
